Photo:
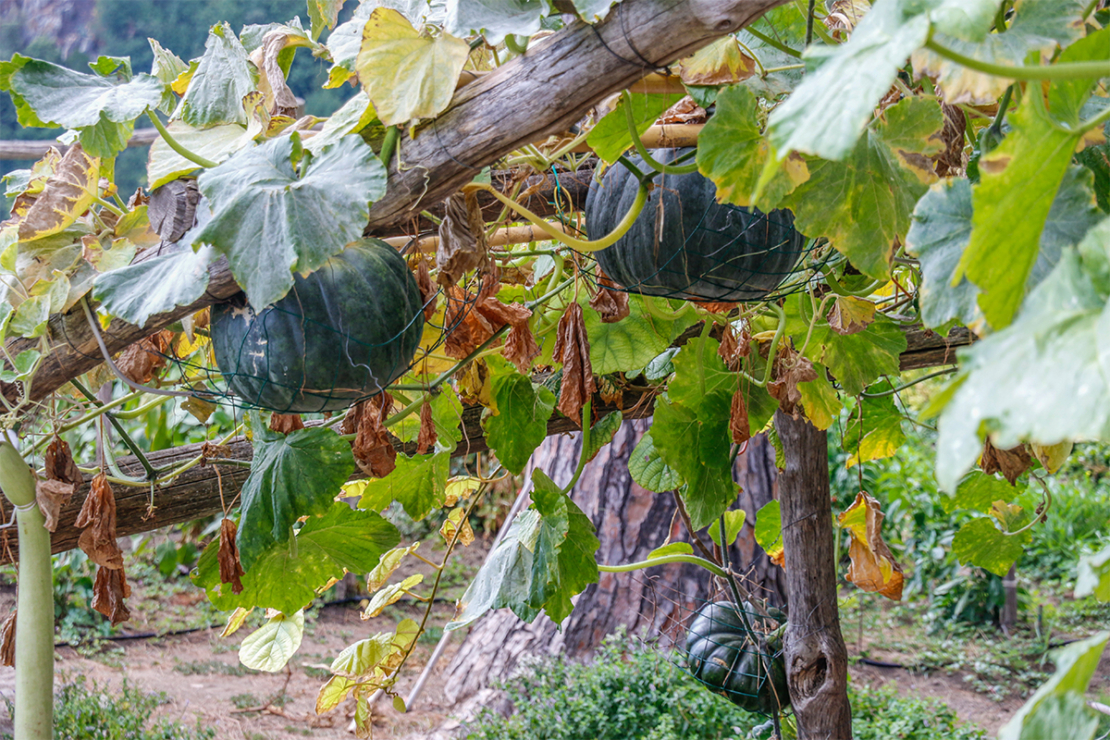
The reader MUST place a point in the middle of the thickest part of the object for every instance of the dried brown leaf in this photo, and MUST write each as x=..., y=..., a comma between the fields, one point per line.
x=790, y=369
x=950, y=160
x=210, y=450
x=873, y=567
x=141, y=361
x=611, y=304
x=59, y=463
x=51, y=496
x=426, y=439
x=231, y=570
x=572, y=349
x=520, y=344
x=427, y=289
x=372, y=447
x=738, y=424
x=1011, y=463
x=98, y=519
x=7, y=641
x=467, y=327
x=683, y=112
x=285, y=423
x=109, y=593
x=68, y=193
x=610, y=392
x=279, y=98
x=462, y=239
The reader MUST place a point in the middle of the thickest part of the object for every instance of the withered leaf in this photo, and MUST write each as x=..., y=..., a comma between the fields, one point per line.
x=231, y=570
x=610, y=391
x=141, y=361
x=373, y=450
x=790, y=369
x=873, y=566
x=572, y=349
x=109, y=593
x=950, y=160
x=520, y=345
x=51, y=496
x=850, y=315
x=59, y=463
x=466, y=326
x=611, y=304
x=285, y=423
x=68, y=193
x=738, y=424
x=281, y=100
x=98, y=519
x=7, y=641
x=210, y=450
x=462, y=239
x=427, y=289
x=1011, y=463
x=718, y=306
x=426, y=439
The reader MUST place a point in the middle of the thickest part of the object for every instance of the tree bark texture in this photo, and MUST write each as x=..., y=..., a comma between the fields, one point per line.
x=540, y=93
x=816, y=657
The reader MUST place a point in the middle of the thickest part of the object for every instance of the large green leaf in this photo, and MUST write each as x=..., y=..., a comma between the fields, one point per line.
x=981, y=543
x=874, y=429
x=1043, y=378
x=977, y=492
x=494, y=19
x=1094, y=576
x=292, y=475
x=636, y=340
x=271, y=219
x=832, y=107
x=408, y=75
x=271, y=646
x=137, y=292
x=863, y=204
x=564, y=556
x=610, y=138
x=101, y=109
x=700, y=371
x=285, y=577
x=418, y=483
x=694, y=441
x=219, y=83
x=768, y=528
x=648, y=469
x=1075, y=665
x=1036, y=26
x=516, y=422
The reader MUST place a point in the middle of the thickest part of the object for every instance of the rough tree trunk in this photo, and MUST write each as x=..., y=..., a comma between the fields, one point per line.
x=630, y=523
x=816, y=657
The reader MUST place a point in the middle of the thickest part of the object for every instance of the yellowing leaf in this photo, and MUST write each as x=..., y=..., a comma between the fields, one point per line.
x=850, y=315
x=332, y=693
x=235, y=621
x=359, y=659
x=1052, y=456
x=68, y=193
x=460, y=488
x=720, y=63
x=390, y=595
x=457, y=522
x=873, y=566
x=734, y=522
x=385, y=567
x=271, y=646
x=407, y=74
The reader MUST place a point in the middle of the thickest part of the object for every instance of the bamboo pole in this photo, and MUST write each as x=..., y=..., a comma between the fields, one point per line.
x=501, y=238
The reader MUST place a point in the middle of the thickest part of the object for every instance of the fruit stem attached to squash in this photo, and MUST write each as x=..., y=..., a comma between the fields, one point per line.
x=637, y=142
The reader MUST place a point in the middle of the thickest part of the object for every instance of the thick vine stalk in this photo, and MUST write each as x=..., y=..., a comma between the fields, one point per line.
x=34, y=625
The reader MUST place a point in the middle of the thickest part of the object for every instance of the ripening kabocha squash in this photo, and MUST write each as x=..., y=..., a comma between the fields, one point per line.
x=341, y=334
x=687, y=245
x=721, y=656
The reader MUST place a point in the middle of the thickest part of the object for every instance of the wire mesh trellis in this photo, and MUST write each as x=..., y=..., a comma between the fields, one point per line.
x=327, y=353
x=686, y=245
x=734, y=651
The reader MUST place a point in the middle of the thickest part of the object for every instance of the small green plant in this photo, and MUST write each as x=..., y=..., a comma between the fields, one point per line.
x=95, y=712
x=880, y=714
x=242, y=701
x=205, y=667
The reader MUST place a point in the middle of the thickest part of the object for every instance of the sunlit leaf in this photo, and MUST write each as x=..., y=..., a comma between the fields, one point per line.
x=333, y=693
x=634, y=341
x=388, y=563
x=222, y=78
x=874, y=430
x=417, y=483
x=494, y=19
x=981, y=543
x=66, y=195
x=1094, y=576
x=271, y=646
x=216, y=143
x=390, y=595
x=734, y=522
x=407, y=74
x=768, y=530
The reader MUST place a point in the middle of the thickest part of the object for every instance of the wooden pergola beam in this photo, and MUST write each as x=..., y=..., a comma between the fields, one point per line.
x=204, y=490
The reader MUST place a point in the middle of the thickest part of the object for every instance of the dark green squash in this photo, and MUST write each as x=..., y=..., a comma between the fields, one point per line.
x=687, y=245
x=341, y=334
x=721, y=655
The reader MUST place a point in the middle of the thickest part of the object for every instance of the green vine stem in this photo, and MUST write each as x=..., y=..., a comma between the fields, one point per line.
x=580, y=245
x=124, y=436
x=664, y=560
x=34, y=646
x=638, y=143
x=586, y=409
x=516, y=44
x=175, y=145
x=1065, y=71
x=773, y=43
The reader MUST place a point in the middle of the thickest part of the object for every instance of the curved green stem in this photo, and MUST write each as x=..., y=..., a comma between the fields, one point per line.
x=173, y=143
x=1098, y=120
x=34, y=645
x=658, y=312
x=904, y=386
x=578, y=244
x=124, y=436
x=638, y=143
x=1065, y=71
x=586, y=408
x=773, y=43
x=514, y=44
x=664, y=560
x=837, y=287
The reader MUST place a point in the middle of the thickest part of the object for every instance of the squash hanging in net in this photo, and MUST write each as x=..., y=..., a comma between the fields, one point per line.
x=341, y=334
x=687, y=245
x=721, y=655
